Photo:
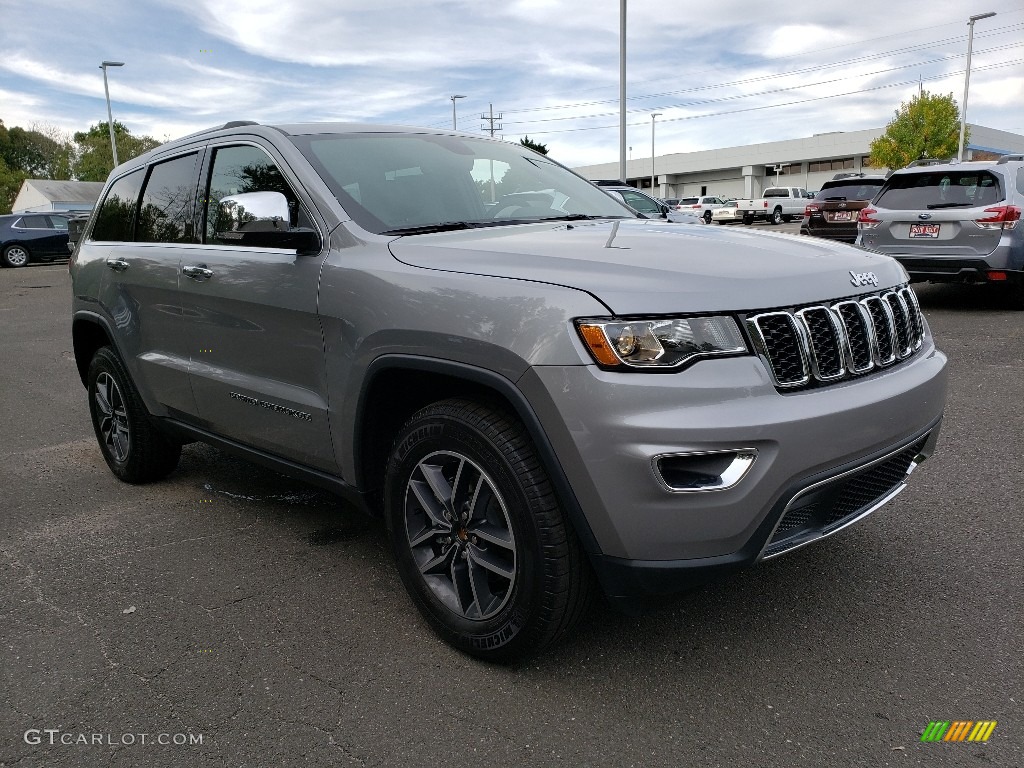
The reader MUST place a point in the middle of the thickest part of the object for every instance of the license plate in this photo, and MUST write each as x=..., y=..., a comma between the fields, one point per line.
x=924, y=230
x=842, y=216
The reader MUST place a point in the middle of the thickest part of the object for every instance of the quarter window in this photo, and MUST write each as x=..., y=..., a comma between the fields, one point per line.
x=165, y=211
x=116, y=217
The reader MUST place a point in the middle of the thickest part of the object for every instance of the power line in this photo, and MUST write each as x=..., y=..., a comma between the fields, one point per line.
x=760, y=78
x=736, y=97
x=785, y=104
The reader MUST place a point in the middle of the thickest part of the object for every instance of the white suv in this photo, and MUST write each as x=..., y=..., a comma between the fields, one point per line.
x=702, y=205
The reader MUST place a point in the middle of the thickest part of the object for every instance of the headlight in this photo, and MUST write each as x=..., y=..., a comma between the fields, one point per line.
x=660, y=343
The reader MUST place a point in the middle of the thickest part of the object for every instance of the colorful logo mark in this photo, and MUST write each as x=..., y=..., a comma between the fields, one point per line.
x=958, y=730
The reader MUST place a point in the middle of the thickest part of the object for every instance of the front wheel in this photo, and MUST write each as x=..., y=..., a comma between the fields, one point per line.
x=14, y=256
x=132, y=447
x=480, y=541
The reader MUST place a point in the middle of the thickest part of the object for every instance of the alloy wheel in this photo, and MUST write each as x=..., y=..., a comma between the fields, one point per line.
x=458, y=530
x=17, y=256
x=113, y=417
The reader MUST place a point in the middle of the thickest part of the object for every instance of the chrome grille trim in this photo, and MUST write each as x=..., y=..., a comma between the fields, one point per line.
x=828, y=343
x=859, y=330
x=885, y=329
x=766, y=332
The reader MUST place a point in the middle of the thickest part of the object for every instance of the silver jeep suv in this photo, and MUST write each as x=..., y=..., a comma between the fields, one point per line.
x=542, y=395
x=952, y=222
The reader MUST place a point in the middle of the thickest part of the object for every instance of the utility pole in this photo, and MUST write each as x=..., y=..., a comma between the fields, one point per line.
x=491, y=128
x=492, y=119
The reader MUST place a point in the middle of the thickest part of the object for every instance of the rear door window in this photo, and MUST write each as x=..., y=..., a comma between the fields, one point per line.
x=941, y=189
x=116, y=217
x=165, y=211
x=34, y=222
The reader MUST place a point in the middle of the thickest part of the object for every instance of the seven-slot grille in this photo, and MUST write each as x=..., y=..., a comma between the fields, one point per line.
x=822, y=344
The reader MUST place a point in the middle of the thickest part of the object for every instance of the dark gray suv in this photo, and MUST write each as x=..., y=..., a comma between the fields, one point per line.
x=544, y=396
x=952, y=222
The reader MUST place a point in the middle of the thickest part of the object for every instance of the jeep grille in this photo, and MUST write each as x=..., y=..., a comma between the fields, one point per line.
x=826, y=343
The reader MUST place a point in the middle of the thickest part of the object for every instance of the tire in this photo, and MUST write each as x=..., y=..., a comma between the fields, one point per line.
x=509, y=577
x=707, y=217
x=15, y=255
x=133, y=448
x=776, y=217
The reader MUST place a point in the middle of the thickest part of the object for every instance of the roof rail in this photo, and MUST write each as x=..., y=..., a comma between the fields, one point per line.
x=848, y=175
x=609, y=183
x=238, y=123
x=1008, y=158
x=930, y=161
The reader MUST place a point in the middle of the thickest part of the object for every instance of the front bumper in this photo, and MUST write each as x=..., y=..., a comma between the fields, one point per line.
x=607, y=427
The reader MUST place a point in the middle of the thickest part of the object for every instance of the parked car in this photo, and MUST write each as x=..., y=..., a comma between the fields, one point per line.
x=952, y=222
x=650, y=207
x=776, y=205
x=703, y=206
x=833, y=212
x=539, y=403
x=727, y=214
x=671, y=202
x=27, y=237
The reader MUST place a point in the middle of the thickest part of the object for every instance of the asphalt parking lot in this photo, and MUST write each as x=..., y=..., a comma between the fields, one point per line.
x=231, y=617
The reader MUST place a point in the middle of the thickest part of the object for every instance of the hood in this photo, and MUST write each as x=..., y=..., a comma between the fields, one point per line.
x=635, y=266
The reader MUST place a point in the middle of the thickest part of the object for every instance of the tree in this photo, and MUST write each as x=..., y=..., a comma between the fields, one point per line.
x=10, y=184
x=95, y=160
x=43, y=152
x=542, y=148
x=926, y=126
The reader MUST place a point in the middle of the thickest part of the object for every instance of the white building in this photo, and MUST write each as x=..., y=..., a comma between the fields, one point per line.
x=745, y=171
x=45, y=195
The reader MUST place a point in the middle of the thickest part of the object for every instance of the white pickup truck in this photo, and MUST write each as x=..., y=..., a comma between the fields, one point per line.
x=778, y=204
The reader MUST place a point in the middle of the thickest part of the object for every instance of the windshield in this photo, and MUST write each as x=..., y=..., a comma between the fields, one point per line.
x=940, y=189
x=400, y=183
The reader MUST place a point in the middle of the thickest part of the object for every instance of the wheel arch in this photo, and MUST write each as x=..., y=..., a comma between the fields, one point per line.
x=396, y=386
x=88, y=333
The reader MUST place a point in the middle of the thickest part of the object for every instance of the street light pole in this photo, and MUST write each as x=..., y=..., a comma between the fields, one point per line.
x=622, y=90
x=110, y=119
x=967, y=79
x=453, y=98
x=653, y=115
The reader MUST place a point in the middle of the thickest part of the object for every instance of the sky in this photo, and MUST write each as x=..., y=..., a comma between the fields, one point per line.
x=719, y=74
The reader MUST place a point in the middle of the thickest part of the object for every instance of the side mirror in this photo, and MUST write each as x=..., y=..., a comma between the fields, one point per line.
x=664, y=211
x=76, y=227
x=261, y=219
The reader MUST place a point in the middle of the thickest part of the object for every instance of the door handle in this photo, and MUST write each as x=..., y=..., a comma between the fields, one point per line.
x=118, y=265
x=197, y=272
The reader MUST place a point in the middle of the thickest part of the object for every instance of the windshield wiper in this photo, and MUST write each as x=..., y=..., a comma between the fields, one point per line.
x=424, y=229
x=577, y=217
x=933, y=206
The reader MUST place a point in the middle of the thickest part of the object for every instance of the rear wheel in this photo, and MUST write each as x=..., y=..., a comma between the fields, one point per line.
x=481, y=543
x=775, y=217
x=14, y=256
x=132, y=447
